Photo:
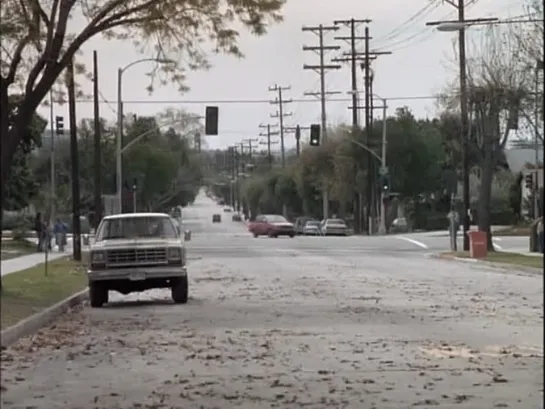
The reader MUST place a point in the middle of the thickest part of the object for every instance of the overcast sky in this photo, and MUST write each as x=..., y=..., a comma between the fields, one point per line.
x=419, y=67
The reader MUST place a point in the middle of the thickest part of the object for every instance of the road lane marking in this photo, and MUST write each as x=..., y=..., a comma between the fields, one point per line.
x=415, y=242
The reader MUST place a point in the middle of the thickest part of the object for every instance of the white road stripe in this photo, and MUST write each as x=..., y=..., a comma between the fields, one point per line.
x=415, y=242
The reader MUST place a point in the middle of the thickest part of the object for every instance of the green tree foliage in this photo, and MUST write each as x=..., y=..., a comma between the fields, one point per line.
x=167, y=170
x=415, y=156
x=38, y=44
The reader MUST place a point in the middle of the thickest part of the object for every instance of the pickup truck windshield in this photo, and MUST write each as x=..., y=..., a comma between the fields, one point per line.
x=137, y=227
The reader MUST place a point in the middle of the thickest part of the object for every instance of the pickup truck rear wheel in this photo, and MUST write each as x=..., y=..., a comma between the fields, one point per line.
x=98, y=294
x=180, y=291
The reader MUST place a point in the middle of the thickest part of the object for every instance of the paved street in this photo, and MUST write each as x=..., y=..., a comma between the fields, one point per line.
x=309, y=322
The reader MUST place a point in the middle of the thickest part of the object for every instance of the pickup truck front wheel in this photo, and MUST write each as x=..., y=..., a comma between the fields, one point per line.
x=98, y=294
x=180, y=291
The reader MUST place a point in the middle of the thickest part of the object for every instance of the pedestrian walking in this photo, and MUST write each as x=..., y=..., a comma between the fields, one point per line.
x=60, y=230
x=454, y=226
x=47, y=235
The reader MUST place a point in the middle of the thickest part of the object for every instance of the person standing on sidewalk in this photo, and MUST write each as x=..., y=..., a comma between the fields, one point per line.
x=39, y=227
x=540, y=235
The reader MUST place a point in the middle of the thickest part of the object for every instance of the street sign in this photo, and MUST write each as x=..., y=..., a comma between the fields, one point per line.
x=383, y=170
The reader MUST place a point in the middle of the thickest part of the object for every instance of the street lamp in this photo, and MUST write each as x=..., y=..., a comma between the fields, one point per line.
x=119, y=148
x=459, y=26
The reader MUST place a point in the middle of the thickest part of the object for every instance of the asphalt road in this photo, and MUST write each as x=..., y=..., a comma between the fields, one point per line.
x=306, y=322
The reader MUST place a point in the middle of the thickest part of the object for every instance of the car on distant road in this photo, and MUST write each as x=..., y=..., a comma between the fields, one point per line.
x=312, y=228
x=136, y=252
x=236, y=217
x=216, y=218
x=227, y=209
x=399, y=225
x=271, y=225
x=300, y=223
x=333, y=227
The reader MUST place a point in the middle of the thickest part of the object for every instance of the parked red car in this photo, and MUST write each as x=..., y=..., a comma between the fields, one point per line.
x=271, y=225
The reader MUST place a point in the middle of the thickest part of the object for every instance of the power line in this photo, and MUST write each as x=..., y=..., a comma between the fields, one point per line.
x=250, y=101
x=421, y=13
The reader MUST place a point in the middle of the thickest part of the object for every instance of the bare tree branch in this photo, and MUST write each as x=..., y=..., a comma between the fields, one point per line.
x=16, y=59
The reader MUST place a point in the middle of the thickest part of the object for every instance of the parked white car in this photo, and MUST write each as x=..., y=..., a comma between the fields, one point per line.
x=312, y=228
x=136, y=252
x=334, y=227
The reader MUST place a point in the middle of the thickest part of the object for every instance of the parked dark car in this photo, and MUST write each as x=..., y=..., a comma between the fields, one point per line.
x=236, y=217
x=271, y=225
x=300, y=223
x=216, y=218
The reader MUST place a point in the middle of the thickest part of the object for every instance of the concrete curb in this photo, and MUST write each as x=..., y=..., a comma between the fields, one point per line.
x=492, y=264
x=39, y=320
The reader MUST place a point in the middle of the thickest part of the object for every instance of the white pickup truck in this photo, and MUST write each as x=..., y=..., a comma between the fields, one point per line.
x=136, y=252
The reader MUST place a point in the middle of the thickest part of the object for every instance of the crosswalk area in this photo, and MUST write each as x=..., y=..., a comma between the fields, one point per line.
x=245, y=246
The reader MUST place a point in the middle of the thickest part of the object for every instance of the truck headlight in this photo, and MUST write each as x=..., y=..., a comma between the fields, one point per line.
x=174, y=254
x=98, y=257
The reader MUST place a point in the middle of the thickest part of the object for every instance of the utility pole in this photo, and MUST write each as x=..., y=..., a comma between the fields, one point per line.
x=353, y=56
x=239, y=164
x=268, y=134
x=249, y=142
x=298, y=142
x=321, y=69
x=464, y=122
x=464, y=119
x=384, y=169
x=97, y=153
x=352, y=39
x=297, y=130
x=232, y=169
x=76, y=237
x=280, y=114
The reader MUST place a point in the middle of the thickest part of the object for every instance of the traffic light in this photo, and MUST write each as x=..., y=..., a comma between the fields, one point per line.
x=529, y=181
x=385, y=183
x=59, y=125
x=211, y=121
x=314, y=135
x=197, y=142
x=134, y=184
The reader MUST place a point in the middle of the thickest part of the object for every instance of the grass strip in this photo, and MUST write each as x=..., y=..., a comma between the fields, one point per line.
x=16, y=248
x=520, y=231
x=29, y=291
x=505, y=258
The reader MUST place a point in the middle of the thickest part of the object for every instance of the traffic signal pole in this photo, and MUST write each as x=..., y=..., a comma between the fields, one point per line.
x=52, y=204
x=382, y=226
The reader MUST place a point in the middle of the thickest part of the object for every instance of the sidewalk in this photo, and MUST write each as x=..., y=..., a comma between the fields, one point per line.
x=30, y=260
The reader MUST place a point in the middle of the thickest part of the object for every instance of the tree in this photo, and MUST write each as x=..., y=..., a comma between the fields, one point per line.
x=37, y=44
x=415, y=156
x=528, y=43
x=497, y=91
x=161, y=161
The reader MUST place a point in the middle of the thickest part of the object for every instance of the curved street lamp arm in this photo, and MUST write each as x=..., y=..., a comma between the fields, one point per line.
x=361, y=145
